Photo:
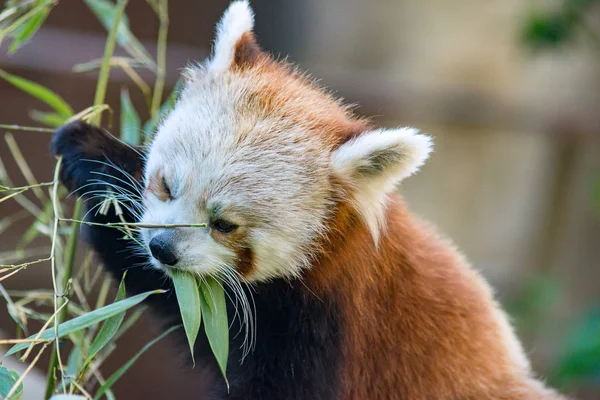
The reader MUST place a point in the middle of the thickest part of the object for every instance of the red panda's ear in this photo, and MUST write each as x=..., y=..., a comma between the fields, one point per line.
x=374, y=162
x=235, y=44
x=386, y=156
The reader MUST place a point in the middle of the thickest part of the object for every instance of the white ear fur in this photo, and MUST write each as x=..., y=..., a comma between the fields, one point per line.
x=237, y=20
x=374, y=163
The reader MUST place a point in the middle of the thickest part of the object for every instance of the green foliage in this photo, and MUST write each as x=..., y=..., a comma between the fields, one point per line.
x=204, y=296
x=20, y=20
x=109, y=328
x=92, y=332
x=8, y=378
x=51, y=119
x=188, y=297
x=552, y=29
x=62, y=108
x=105, y=11
x=86, y=320
x=580, y=358
x=547, y=31
x=212, y=302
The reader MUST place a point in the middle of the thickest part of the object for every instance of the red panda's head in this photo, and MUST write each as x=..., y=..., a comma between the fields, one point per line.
x=258, y=152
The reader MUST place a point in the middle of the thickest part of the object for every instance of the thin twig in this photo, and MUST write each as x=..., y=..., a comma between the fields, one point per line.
x=27, y=128
x=134, y=224
x=11, y=274
x=24, y=265
x=24, y=167
x=19, y=188
x=17, y=341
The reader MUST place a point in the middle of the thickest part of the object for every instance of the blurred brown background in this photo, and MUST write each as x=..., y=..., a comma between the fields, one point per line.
x=514, y=180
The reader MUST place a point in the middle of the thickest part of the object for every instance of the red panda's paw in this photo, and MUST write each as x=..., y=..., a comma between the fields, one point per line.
x=93, y=161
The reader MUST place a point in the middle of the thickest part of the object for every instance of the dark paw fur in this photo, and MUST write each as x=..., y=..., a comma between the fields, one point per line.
x=93, y=161
x=86, y=150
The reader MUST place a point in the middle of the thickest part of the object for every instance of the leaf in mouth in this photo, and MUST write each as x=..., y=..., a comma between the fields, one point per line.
x=188, y=297
x=216, y=326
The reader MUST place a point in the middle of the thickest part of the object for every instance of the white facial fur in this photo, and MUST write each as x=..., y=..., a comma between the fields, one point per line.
x=214, y=149
x=223, y=152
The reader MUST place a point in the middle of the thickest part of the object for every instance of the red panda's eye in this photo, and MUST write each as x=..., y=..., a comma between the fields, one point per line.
x=223, y=226
x=167, y=189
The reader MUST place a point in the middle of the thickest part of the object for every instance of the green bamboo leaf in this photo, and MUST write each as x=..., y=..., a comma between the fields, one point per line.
x=581, y=352
x=39, y=92
x=188, y=298
x=8, y=378
x=25, y=32
x=121, y=371
x=51, y=119
x=105, y=12
x=130, y=121
x=12, y=310
x=87, y=320
x=109, y=328
x=216, y=326
x=74, y=361
x=166, y=107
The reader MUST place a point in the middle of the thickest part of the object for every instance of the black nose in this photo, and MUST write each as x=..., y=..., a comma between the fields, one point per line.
x=163, y=249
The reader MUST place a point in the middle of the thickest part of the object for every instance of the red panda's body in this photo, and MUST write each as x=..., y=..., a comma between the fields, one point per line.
x=419, y=322
x=352, y=298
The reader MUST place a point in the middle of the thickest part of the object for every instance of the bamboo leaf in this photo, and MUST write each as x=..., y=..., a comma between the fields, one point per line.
x=39, y=92
x=87, y=320
x=109, y=328
x=216, y=326
x=105, y=12
x=74, y=361
x=51, y=119
x=188, y=297
x=26, y=31
x=130, y=121
x=121, y=371
x=8, y=378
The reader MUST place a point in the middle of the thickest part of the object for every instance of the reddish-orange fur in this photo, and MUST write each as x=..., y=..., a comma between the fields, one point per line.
x=419, y=322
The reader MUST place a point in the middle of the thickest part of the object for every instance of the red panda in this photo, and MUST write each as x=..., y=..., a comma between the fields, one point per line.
x=339, y=291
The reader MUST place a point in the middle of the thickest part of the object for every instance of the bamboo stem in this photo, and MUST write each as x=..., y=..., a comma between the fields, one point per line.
x=161, y=56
